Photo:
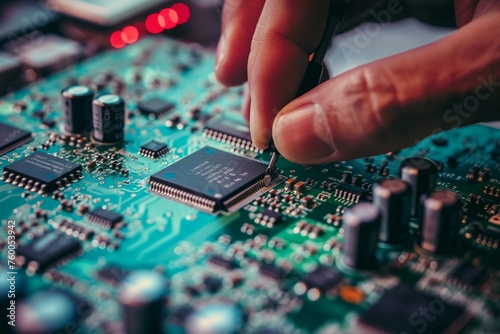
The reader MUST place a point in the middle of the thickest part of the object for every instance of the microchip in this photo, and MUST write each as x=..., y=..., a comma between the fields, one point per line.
x=467, y=275
x=228, y=130
x=268, y=218
x=406, y=310
x=210, y=180
x=271, y=271
x=112, y=274
x=46, y=250
x=48, y=123
x=350, y=193
x=222, y=262
x=104, y=218
x=41, y=172
x=153, y=149
x=155, y=107
x=323, y=278
x=11, y=138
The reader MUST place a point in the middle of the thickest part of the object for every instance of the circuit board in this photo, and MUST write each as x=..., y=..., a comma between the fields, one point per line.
x=182, y=202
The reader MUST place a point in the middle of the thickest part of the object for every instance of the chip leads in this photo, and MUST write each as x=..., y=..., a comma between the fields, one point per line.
x=41, y=172
x=153, y=149
x=12, y=137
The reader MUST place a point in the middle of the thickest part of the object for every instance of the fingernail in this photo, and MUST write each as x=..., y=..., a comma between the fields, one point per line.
x=260, y=134
x=220, y=53
x=303, y=135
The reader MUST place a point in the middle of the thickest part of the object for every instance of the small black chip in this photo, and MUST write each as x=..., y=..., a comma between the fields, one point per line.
x=406, y=310
x=271, y=271
x=112, y=274
x=11, y=138
x=104, y=218
x=49, y=123
x=269, y=217
x=467, y=275
x=210, y=179
x=155, y=107
x=41, y=172
x=219, y=261
x=46, y=250
x=153, y=149
x=323, y=278
x=229, y=130
x=350, y=193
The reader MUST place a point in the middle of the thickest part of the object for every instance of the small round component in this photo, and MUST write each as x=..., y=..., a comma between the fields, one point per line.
x=393, y=198
x=108, y=118
x=141, y=297
x=214, y=318
x=46, y=312
x=440, y=222
x=361, y=230
x=77, y=108
x=421, y=174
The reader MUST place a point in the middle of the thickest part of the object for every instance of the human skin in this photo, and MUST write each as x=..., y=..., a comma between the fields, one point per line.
x=375, y=108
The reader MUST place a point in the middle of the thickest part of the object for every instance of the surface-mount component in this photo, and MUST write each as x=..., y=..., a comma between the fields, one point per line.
x=406, y=310
x=12, y=137
x=104, y=218
x=155, y=107
x=323, y=278
x=153, y=149
x=46, y=250
x=468, y=275
x=210, y=179
x=231, y=131
x=41, y=172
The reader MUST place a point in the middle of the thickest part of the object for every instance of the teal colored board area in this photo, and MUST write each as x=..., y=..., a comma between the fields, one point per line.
x=232, y=271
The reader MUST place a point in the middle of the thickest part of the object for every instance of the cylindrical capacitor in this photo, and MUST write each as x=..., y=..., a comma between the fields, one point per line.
x=421, y=174
x=77, y=108
x=361, y=229
x=108, y=118
x=141, y=297
x=393, y=198
x=440, y=221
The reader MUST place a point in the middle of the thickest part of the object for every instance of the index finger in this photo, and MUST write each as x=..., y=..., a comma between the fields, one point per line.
x=288, y=31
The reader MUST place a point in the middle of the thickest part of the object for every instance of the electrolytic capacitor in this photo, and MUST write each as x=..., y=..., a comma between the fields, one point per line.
x=441, y=216
x=421, y=174
x=141, y=297
x=393, y=197
x=108, y=118
x=361, y=230
x=77, y=108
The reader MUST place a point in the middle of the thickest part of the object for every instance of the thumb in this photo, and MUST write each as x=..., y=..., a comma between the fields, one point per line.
x=394, y=102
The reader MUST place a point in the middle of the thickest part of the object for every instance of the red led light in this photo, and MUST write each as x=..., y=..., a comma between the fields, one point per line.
x=154, y=23
x=116, y=40
x=171, y=18
x=183, y=12
x=130, y=34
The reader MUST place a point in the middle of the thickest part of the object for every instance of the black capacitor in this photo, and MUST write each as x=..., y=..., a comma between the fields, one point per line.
x=441, y=218
x=421, y=174
x=108, y=118
x=361, y=230
x=142, y=299
x=77, y=108
x=393, y=197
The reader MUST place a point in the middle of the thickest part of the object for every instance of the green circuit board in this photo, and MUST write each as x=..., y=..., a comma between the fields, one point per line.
x=254, y=273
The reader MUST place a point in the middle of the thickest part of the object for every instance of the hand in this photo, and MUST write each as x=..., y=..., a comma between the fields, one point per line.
x=382, y=106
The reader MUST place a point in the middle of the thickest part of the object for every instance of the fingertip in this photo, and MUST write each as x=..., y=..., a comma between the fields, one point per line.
x=245, y=106
x=261, y=133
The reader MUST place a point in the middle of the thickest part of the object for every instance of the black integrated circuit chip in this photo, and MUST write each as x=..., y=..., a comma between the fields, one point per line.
x=406, y=310
x=222, y=262
x=104, y=218
x=323, y=278
x=112, y=274
x=45, y=250
x=271, y=271
x=41, y=172
x=153, y=149
x=467, y=275
x=210, y=179
x=229, y=130
x=12, y=137
x=155, y=107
